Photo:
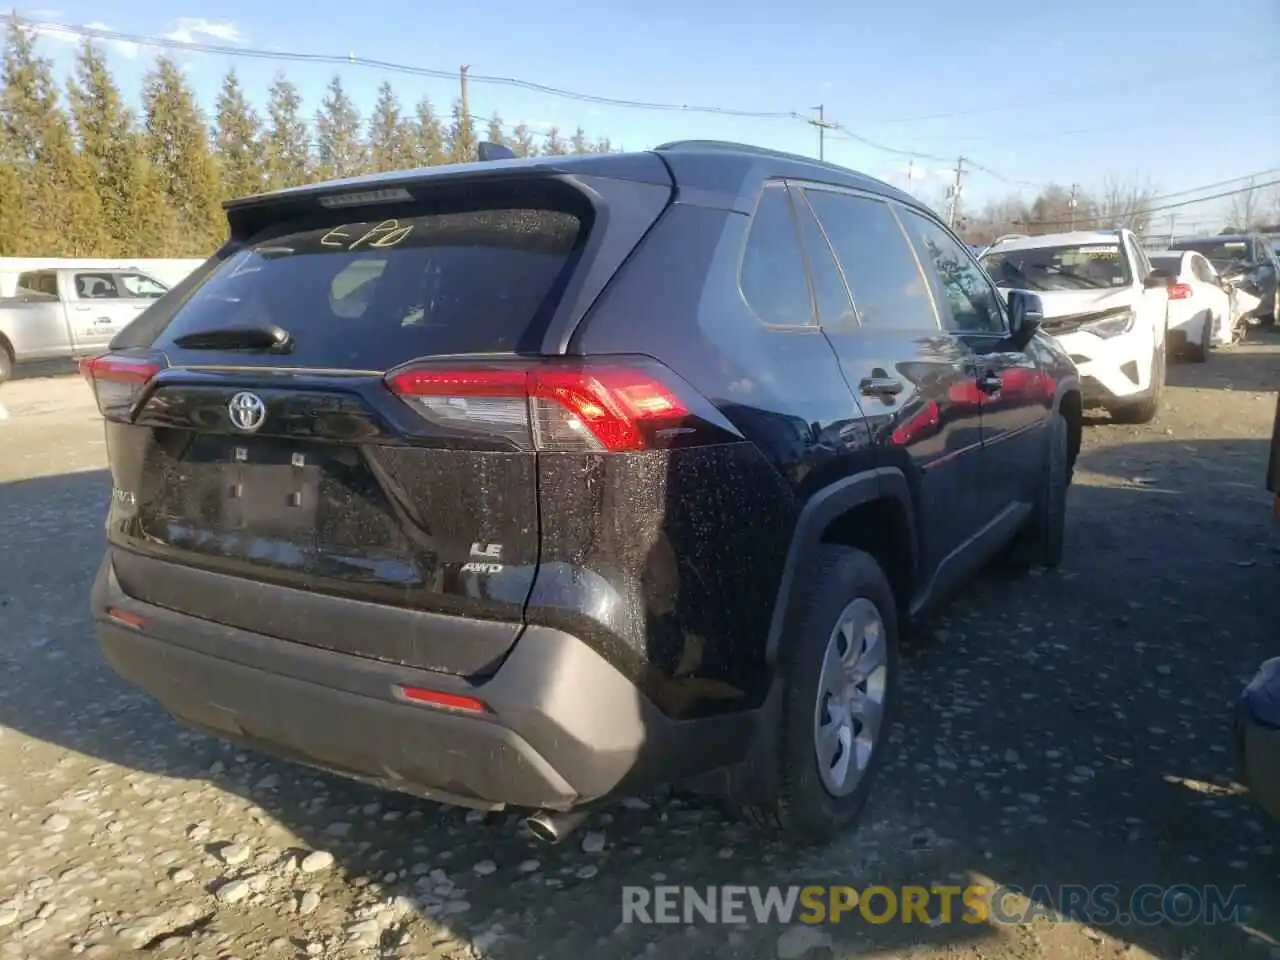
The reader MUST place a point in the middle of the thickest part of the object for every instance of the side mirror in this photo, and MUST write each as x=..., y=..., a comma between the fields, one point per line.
x=1026, y=313
x=1157, y=279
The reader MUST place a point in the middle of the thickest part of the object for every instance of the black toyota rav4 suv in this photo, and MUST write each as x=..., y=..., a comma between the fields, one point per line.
x=522, y=483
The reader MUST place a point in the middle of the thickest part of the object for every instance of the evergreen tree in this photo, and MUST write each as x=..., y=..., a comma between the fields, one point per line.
x=108, y=146
x=554, y=146
x=338, y=147
x=495, y=134
x=578, y=144
x=431, y=139
x=287, y=149
x=603, y=146
x=62, y=212
x=238, y=141
x=178, y=147
x=138, y=218
x=13, y=217
x=522, y=143
x=392, y=139
x=154, y=229
x=462, y=136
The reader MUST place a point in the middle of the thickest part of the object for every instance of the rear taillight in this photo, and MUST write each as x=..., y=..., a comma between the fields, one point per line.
x=584, y=408
x=118, y=381
x=1179, y=291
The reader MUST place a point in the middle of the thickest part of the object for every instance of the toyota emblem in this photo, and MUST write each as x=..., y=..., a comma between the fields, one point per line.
x=247, y=411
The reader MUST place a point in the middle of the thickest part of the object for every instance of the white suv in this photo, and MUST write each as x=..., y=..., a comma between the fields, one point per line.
x=1104, y=307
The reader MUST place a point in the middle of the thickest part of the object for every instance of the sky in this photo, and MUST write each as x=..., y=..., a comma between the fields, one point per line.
x=1175, y=95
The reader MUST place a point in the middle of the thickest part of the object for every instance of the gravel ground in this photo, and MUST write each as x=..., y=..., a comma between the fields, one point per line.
x=1062, y=729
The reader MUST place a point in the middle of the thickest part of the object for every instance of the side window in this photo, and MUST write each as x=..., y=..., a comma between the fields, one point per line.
x=140, y=286
x=95, y=286
x=29, y=284
x=889, y=290
x=835, y=309
x=1200, y=267
x=773, y=278
x=975, y=305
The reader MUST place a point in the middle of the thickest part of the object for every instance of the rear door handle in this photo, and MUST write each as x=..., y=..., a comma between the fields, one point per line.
x=990, y=383
x=880, y=387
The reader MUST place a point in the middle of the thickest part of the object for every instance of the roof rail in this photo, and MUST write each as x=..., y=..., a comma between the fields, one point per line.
x=730, y=146
x=486, y=151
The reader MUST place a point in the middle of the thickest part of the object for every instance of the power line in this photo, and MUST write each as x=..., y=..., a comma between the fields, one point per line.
x=116, y=36
x=1073, y=96
x=230, y=50
x=1223, y=183
x=1160, y=208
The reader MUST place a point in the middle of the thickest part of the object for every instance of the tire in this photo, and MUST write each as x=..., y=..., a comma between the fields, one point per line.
x=843, y=584
x=6, y=361
x=1041, y=542
x=1144, y=410
x=1200, y=354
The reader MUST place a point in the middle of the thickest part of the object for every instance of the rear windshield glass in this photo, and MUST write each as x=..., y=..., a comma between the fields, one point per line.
x=1164, y=261
x=372, y=293
x=1219, y=252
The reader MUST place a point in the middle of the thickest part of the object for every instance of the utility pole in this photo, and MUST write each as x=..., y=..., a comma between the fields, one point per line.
x=823, y=127
x=1173, y=218
x=911, y=174
x=953, y=194
x=1072, y=203
x=464, y=121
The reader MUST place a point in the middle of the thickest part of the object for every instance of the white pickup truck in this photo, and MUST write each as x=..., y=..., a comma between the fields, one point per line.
x=66, y=313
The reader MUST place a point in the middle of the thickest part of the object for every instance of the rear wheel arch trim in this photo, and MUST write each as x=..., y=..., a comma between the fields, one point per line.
x=884, y=483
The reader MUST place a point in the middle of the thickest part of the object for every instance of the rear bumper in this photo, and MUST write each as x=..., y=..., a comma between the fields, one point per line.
x=563, y=726
x=1257, y=725
x=1258, y=749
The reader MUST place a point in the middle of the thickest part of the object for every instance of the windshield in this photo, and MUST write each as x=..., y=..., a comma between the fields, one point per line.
x=1099, y=266
x=1221, y=253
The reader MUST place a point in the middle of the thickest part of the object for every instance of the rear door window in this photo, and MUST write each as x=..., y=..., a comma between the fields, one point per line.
x=370, y=294
x=95, y=286
x=774, y=277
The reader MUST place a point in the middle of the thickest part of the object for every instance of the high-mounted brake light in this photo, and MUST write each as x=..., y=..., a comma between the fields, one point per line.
x=117, y=381
x=1179, y=291
x=580, y=409
x=366, y=198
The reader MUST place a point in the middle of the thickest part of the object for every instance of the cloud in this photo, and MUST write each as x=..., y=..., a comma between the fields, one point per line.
x=918, y=173
x=58, y=35
x=196, y=29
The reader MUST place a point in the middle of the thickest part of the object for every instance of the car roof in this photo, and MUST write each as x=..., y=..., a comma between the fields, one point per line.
x=1073, y=238
x=1217, y=238
x=720, y=173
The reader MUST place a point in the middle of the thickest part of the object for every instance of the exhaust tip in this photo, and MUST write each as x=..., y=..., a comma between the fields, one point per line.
x=553, y=827
x=541, y=829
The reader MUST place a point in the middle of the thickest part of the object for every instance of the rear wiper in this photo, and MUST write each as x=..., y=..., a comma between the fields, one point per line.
x=272, y=338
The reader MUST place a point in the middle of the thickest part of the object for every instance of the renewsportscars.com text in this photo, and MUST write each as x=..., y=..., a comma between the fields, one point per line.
x=1103, y=905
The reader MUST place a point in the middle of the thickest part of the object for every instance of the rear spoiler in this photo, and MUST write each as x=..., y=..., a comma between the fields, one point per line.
x=486, y=151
